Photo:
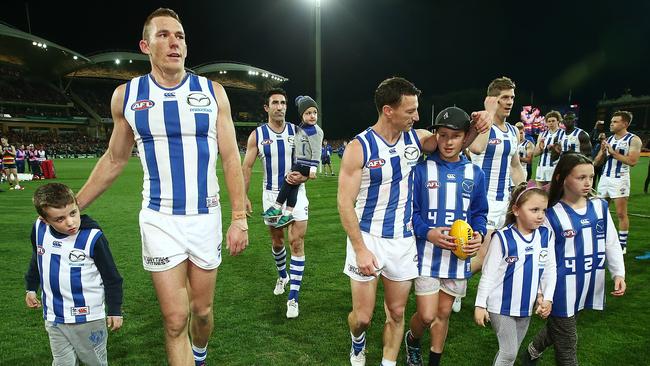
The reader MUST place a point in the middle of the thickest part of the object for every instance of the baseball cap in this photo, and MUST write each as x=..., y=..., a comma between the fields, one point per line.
x=454, y=118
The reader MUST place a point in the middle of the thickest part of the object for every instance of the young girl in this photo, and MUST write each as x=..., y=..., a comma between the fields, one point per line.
x=518, y=272
x=585, y=237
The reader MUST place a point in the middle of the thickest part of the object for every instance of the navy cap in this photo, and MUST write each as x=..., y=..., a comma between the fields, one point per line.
x=454, y=118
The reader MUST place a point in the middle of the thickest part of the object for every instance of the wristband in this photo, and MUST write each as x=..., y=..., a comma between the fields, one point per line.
x=238, y=215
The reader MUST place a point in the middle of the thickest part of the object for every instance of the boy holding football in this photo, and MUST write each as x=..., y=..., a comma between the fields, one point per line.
x=447, y=187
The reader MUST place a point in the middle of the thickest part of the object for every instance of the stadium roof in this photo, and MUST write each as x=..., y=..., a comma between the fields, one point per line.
x=36, y=54
x=120, y=65
x=238, y=75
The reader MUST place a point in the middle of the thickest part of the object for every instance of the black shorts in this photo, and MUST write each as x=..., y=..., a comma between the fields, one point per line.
x=9, y=166
x=302, y=169
x=326, y=160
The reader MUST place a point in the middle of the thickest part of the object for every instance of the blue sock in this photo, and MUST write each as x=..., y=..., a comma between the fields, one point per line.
x=296, y=268
x=358, y=343
x=281, y=262
x=622, y=237
x=199, y=354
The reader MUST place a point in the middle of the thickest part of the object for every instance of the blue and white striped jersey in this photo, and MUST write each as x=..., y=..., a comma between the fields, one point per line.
x=550, y=138
x=515, y=268
x=73, y=291
x=571, y=142
x=523, y=153
x=442, y=193
x=275, y=150
x=495, y=161
x=384, y=203
x=613, y=167
x=584, y=239
x=176, y=134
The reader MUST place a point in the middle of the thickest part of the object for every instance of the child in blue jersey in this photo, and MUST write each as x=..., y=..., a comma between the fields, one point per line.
x=518, y=272
x=306, y=149
x=73, y=265
x=447, y=187
x=585, y=238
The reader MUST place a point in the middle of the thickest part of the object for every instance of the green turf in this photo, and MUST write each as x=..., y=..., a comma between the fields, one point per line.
x=251, y=328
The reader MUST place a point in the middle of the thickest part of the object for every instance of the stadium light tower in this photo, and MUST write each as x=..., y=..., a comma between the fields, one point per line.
x=317, y=52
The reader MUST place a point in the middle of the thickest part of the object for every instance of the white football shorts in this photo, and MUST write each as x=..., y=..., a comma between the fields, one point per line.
x=397, y=258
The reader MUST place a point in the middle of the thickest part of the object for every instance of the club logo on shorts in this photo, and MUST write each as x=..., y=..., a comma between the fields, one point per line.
x=376, y=163
x=570, y=233
x=411, y=153
x=494, y=141
x=433, y=184
x=198, y=100
x=267, y=142
x=142, y=105
x=511, y=259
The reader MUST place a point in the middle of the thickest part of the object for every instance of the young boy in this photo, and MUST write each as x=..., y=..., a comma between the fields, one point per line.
x=447, y=187
x=307, y=149
x=72, y=263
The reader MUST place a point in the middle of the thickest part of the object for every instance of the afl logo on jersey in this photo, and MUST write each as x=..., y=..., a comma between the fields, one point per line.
x=142, y=105
x=494, y=141
x=376, y=163
x=433, y=184
x=569, y=233
x=266, y=142
x=511, y=259
x=40, y=250
x=198, y=100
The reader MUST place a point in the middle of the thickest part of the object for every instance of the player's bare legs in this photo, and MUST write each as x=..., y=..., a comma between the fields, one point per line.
x=202, y=284
x=440, y=325
x=395, y=298
x=363, y=305
x=427, y=307
x=297, y=232
x=171, y=289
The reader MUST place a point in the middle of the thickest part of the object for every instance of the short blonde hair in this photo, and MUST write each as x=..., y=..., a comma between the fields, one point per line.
x=499, y=84
x=160, y=12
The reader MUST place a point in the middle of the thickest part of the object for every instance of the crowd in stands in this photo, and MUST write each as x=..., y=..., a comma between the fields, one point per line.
x=19, y=87
x=64, y=145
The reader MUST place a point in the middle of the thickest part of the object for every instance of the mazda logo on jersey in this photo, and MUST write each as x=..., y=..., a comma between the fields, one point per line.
x=376, y=163
x=266, y=142
x=290, y=140
x=494, y=141
x=600, y=226
x=198, y=100
x=411, y=153
x=569, y=233
x=433, y=184
x=468, y=186
x=142, y=105
x=77, y=256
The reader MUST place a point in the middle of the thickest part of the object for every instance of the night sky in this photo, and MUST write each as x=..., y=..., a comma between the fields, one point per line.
x=451, y=50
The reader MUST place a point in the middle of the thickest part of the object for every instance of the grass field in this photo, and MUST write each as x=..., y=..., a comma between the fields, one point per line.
x=250, y=323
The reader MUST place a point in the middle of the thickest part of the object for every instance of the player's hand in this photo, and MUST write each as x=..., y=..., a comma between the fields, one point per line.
x=473, y=245
x=619, y=286
x=367, y=262
x=481, y=121
x=249, y=207
x=113, y=322
x=295, y=178
x=543, y=307
x=312, y=175
x=609, y=149
x=542, y=144
x=32, y=301
x=440, y=237
x=481, y=316
x=237, y=237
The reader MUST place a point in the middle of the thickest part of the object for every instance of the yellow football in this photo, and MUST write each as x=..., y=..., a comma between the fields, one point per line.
x=462, y=233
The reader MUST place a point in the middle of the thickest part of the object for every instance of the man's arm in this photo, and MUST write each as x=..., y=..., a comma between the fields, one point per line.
x=529, y=154
x=585, y=144
x=600, y=157
x=111, y=164
x=633, y=156
x=237, y=235
x=348, y=190
x=539, y=147
x=428, y=140
x=517, y=173
x=247, y=166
